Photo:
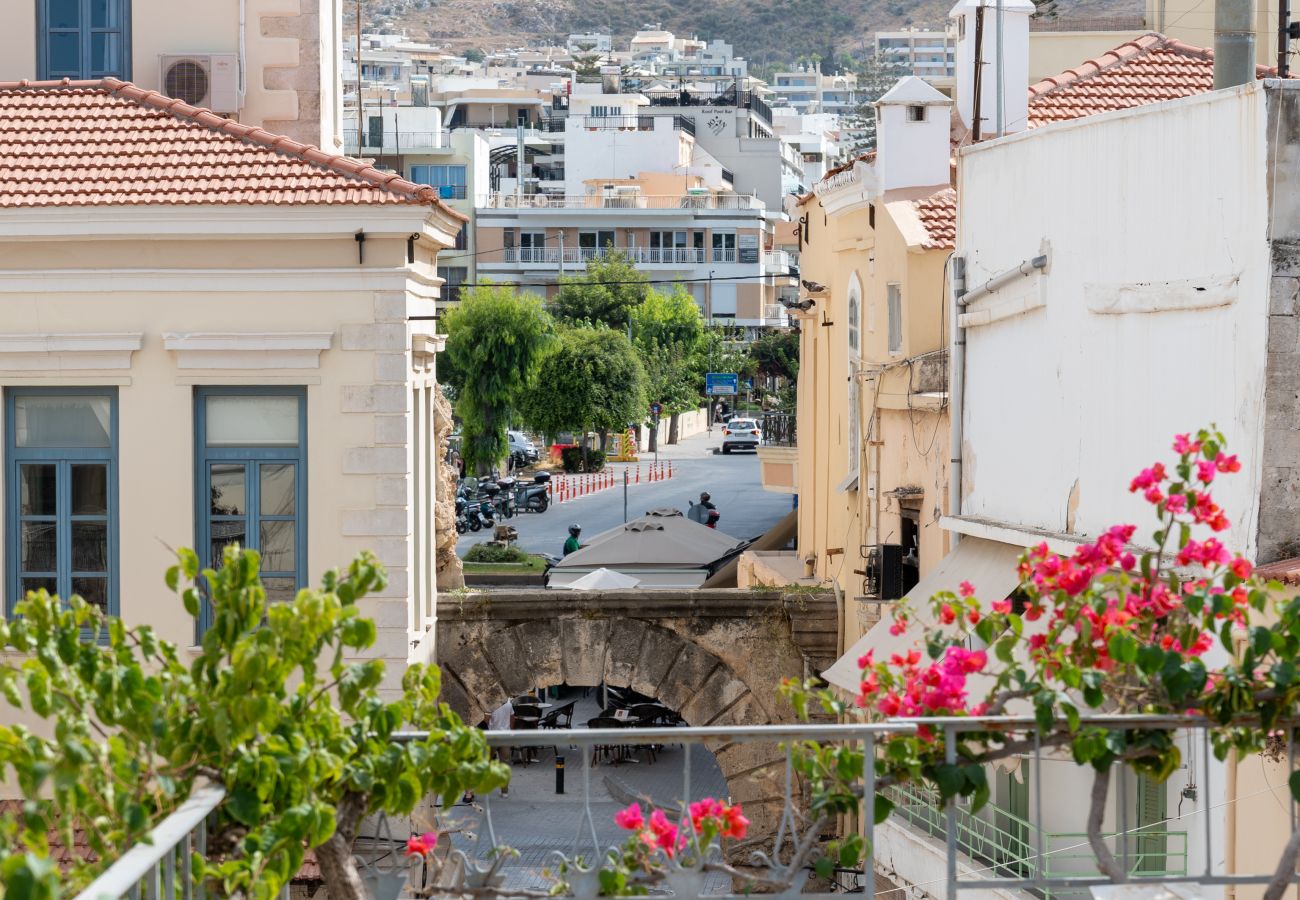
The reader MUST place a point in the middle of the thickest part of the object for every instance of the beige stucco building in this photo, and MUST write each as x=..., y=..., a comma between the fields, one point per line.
x=269, y=63
x=211, y=335
x=869, y=459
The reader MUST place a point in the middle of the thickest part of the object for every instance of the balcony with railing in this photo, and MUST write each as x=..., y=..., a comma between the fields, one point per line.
x=623, y=200
x=578, y=256
x=684, y=124
x=952, y=845
x=394, y=143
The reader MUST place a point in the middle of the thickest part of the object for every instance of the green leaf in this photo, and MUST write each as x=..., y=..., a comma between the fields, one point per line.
x=824, y=867
x=244, y=806
x=1150, y=658
x=950, y=779
x=1294, y=784
x=1123, y=647
x=883, y=807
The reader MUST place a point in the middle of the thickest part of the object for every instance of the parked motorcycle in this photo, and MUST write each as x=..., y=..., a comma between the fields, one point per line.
x=462, y=520
x=534, y=497
x=503, y=499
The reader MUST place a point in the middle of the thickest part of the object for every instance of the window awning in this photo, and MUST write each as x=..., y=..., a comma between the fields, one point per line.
x=990, y=566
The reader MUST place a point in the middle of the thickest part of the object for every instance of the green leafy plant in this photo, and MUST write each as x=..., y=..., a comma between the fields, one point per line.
x=495, y=553
x=582, y=459
x=275, y=706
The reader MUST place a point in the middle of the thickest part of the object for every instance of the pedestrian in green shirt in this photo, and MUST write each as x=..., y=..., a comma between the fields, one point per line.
x=572, y=543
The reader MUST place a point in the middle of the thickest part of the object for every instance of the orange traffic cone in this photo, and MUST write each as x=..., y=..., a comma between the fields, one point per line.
x=670, y=468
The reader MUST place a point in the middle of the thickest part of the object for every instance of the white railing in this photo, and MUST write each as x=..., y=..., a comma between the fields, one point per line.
x=774, y=312
x=651, y=256
x=160, y=867
x=625, y=200
x=395, y=142
x=777, y=259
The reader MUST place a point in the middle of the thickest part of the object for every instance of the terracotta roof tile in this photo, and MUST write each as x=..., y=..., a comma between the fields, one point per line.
x=1286, y=571
x=80, y=851
x=108, y=142
x=1148, y=69
x=938, y=213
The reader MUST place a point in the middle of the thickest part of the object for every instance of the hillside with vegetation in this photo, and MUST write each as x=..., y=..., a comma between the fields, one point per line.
x=766, y=32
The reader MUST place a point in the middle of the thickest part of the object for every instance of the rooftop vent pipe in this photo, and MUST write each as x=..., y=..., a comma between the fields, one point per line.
x=1234, y=44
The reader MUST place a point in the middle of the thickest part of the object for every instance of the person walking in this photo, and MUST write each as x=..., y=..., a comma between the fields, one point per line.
x=572, y=543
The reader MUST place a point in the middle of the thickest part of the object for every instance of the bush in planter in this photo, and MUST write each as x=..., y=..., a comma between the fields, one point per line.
x=579, y=459
x=495, y=553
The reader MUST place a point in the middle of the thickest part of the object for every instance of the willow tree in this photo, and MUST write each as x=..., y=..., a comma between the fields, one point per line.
x=495, y=340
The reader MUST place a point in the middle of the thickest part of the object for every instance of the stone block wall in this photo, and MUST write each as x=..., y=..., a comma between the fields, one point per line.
x=1279, y=504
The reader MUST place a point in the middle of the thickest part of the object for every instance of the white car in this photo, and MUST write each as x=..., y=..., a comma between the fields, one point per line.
x=741, y=434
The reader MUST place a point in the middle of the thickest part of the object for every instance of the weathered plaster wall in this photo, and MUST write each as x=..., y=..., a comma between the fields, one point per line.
x=1065, y=402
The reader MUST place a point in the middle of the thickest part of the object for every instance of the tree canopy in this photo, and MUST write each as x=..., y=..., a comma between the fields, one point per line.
x=495, y=339
x=605, y=294
x=591, y=378
x=668, y=334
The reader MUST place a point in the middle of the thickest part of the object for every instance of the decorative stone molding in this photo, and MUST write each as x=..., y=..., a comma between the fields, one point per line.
x=249, y=350
x=68, y=352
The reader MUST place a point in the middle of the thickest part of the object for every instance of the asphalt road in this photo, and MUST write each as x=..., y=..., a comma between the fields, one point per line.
x=732, y=480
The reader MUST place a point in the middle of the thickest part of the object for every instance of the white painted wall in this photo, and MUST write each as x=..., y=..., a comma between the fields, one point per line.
x=1015, y=63
x=1066, y=391
x=613, y=153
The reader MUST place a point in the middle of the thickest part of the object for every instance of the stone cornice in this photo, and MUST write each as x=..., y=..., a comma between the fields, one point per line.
x=68, y=352
x=249, y=350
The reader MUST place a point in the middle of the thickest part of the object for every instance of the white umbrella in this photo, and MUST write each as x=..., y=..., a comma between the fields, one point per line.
x=601, y=580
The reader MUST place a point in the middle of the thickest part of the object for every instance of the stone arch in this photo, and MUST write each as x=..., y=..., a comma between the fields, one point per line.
x=484, y=666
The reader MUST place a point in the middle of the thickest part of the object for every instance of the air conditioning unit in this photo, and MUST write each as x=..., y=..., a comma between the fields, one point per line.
x=209, y=80
x=885, y=572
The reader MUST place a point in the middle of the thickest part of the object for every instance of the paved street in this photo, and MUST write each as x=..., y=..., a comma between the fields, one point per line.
x=747, y=510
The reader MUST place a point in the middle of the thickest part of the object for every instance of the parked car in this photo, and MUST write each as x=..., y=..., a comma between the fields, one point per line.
x=741, y=434
x=522, y=448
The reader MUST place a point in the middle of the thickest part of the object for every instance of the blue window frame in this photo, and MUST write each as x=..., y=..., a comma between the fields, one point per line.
x=251, y=481
x=83, y=38
x=449, y=180
x=61, y=494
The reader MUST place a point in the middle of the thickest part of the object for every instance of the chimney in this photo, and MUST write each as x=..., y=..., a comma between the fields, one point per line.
x=1015, y=63
x=1234, y=43
x=913, y=144
x=609, y=79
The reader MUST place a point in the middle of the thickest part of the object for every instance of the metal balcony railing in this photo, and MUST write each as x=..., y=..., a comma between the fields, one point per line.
x=779, y=429
x=654, y=256
x=993, y=848
x=162, y=866
x=622, y=200
x=394, y=142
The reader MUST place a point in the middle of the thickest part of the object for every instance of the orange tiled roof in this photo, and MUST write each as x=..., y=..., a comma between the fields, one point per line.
x=1147, y=69
x=1286, y=571
x=938, y=213
x=108, y=142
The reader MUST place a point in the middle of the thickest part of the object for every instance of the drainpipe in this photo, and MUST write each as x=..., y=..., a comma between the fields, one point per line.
x=243, y=57
x=1234, y=43
x=956, y=388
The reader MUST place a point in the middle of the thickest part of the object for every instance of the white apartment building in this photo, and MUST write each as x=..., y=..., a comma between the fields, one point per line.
x=816, y=137
x=717, y=244
x=808, y=90
x=932, y=55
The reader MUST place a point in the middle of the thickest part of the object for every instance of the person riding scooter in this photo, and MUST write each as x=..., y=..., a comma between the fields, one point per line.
x=704, y=512
x=572, y=543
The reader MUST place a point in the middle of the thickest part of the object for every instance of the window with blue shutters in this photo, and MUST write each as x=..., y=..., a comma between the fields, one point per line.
x=83, y=39
x=251, y=484
x=61, y=494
